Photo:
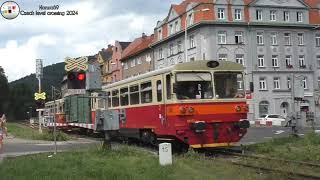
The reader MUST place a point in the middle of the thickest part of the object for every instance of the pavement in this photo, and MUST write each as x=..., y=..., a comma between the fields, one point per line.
x=17, y=147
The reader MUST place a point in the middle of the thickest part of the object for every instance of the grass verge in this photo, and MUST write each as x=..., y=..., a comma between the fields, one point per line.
x=305, y=148
x=124, y=163
x=24, y=132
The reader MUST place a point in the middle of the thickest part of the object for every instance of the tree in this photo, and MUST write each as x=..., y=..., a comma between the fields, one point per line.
x=4, y=91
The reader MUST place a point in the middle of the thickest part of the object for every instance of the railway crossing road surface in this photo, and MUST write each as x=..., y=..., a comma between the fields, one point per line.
x=262, y=134
x=16, y=147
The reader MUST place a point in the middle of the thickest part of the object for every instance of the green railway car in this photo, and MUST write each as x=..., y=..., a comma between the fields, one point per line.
x=77, y=109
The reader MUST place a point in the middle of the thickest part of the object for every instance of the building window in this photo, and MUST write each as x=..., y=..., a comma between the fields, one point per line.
x=262, y=84
x=260, y=38
x=171, y=29
x=221, y=13
x=125, y=65
x=240, y=59
x=263, y=108
x=192, y=43
x=318, y=40
x=223, y=57
x=260, y=61
x=287, y=39
x=275, y=61
x=305, y=83
x=274, y=39
x=273, y=16
x=222, y=37
x=237, y=14
x=288, y=83
x=159, y=34
x=288, y=61
x=176, y=24
x=179, y=46
x=300, y=39
x=133, y=63
x=190, y=19
x=160, y=53
x=318, y=61
x=259, y=15
x=286, y=16
x=299, y=16
x=139, y=61
x=302, y=62
x=238, y=37
x=170, y=49
x=276, y=83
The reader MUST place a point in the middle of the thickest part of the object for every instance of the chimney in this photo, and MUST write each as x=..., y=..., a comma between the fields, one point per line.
x=144, y=35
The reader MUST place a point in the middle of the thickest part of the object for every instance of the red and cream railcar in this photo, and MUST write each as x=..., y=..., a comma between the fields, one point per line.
x=200, y=104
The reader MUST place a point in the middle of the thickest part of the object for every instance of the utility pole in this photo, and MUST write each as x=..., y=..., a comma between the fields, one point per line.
x=39, y=75
x=293, y=117
x=53, y=93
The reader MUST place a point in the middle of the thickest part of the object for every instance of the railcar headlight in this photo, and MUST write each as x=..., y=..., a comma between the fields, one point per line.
x=191, y=110
x=238, y=108
x=183, y=110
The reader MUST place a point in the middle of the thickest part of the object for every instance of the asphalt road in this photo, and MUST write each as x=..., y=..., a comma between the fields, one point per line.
x=262, y=134
x=16, y=147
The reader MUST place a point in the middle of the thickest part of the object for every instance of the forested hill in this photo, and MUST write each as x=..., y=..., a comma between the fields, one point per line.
x=19, y=103
x=52, y=76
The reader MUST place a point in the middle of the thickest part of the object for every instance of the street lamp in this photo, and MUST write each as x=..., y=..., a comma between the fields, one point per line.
x=186, y=29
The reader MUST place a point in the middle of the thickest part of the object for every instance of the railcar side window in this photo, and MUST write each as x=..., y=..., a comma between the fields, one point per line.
x=168, y=84
x=146, y=92
x=134, y=94
x=227, y=85
x=109, y=99
x=159, y=91
x=115, y=98
x=124, y=96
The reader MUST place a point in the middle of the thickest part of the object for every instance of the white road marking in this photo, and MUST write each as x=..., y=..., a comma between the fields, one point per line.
x=279, y=132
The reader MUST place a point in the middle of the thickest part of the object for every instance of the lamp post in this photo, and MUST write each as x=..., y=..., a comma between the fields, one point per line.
x=186, y=29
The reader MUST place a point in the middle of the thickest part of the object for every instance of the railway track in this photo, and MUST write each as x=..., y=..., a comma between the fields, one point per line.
x=241, y=159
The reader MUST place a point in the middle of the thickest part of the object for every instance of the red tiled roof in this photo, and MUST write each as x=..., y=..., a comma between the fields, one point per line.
x=313, y=3
x=137, y=46
x=181, y=8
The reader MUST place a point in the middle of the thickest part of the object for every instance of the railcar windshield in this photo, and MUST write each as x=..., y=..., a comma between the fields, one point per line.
x=194, y=85
x=228, y=85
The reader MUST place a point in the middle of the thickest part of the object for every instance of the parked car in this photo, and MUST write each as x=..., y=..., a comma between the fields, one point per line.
x=276, y=119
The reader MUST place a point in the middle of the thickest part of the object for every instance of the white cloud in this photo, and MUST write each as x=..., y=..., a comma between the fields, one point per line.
x=53, y=38
x=19, y=60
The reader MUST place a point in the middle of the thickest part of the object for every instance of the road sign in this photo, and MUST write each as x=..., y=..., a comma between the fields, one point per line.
x=80, y=63
x=38, y=96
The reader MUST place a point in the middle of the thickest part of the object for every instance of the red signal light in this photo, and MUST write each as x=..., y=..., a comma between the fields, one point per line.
x=81, y=76
x=71, y=76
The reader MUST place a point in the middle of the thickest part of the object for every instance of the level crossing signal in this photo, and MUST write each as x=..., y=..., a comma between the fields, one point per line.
x=76, y=80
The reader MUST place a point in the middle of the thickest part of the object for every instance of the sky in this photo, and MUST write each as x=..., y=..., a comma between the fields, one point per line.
x=52, y=38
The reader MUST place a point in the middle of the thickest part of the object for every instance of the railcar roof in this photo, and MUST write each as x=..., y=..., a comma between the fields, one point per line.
x=188, y=66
